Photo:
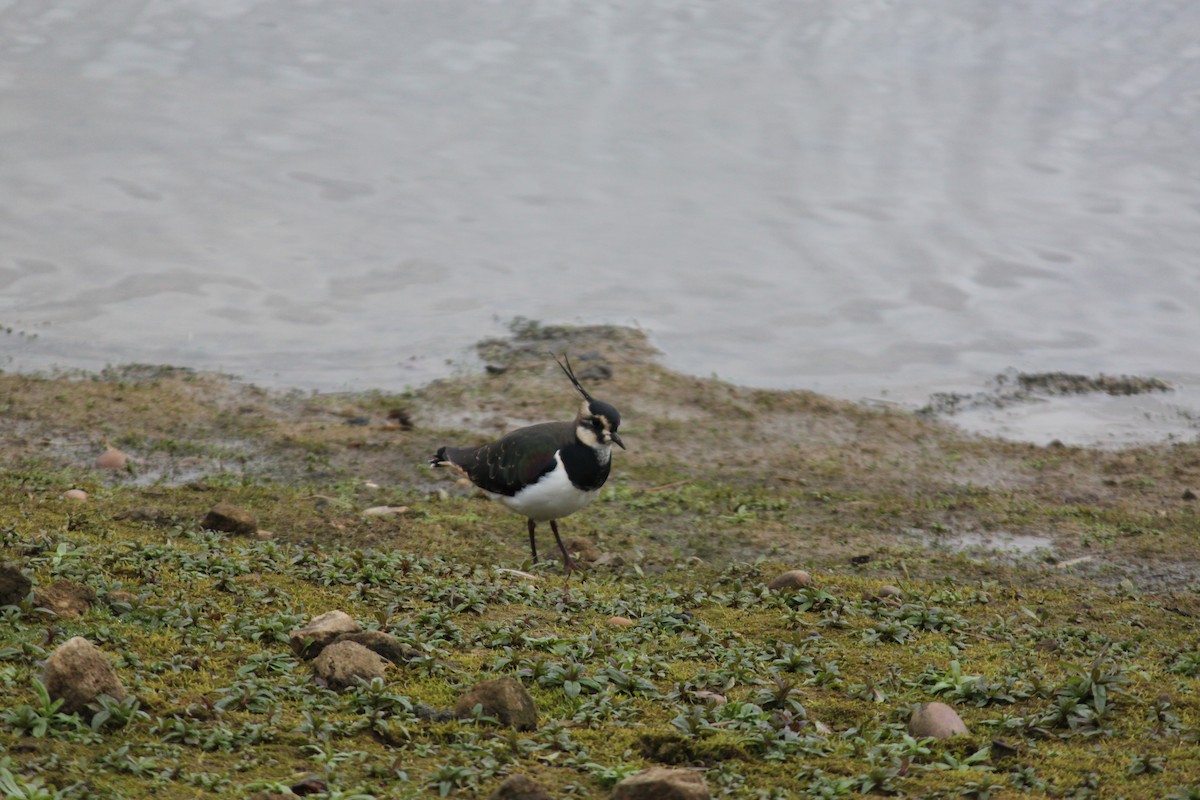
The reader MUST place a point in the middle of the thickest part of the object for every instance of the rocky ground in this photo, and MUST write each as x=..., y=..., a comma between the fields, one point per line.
x=1046, y=595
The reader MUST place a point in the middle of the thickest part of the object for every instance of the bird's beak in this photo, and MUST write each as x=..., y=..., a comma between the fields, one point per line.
x=617, y=439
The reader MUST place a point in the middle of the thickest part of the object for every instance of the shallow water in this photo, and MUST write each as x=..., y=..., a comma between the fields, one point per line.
x=871, y=199
x=998, y=542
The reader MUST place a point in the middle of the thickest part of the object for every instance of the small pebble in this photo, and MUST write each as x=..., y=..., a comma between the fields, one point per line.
x=883, y=593
x=937, y=720
x=792, y=579
x=78, y=495
x=516, y=573
x=611, y=560
x=620, y=622
x=263, y=535
x=711, y=698
x=385, y=511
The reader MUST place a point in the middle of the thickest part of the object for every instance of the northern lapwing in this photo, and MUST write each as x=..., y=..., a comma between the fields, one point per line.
x=545, y=472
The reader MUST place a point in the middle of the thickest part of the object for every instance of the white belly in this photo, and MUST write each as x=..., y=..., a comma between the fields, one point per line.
x=553, y=497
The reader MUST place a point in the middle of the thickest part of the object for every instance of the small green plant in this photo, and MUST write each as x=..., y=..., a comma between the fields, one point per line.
x=112, y=714
x=43, y=718
x=1145, y=764
x=17, y=787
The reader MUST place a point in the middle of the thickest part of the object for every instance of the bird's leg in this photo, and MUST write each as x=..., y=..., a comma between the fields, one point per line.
x=533, y=540
x=568, y=563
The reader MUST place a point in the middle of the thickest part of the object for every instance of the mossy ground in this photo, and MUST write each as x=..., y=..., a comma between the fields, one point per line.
x=1078, y=681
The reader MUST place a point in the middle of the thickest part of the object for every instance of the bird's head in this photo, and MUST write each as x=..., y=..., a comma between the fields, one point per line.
x=597, y=422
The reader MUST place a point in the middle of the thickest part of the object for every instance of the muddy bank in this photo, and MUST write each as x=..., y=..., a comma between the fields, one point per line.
x=713, y=471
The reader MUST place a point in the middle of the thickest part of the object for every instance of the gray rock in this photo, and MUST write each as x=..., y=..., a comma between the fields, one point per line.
x=77, y=673
x=660, y=783
x=321, y=631
x=505, y=699
x=433, y=713
x=937, y=720
x=14, y=585
x=383, y=644
x=230, y=519
x=343, y=664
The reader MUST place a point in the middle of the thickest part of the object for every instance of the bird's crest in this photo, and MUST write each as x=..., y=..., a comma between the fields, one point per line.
x=571, y=374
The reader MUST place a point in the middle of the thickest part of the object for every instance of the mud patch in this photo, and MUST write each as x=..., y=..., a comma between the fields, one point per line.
x=1014, y=388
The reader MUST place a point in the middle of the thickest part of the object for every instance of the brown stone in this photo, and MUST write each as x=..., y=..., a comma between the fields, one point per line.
x=582, y=549
x=505, y=699
x=937, y=720
x=112, y=458
x=661, y=783
x=65, y=598
x=313, y=784
x=120, y=596
x=77, y=673
x=230, y=519
x=791, y=580
x=343, y=664
x=320, y=632
x=78, y=495
x=890, y=593
x=519, y=787
x=382, y=644
x=620, y=622
x=14, y=585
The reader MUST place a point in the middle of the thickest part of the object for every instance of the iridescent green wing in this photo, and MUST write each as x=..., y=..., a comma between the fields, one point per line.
x=507, y=465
